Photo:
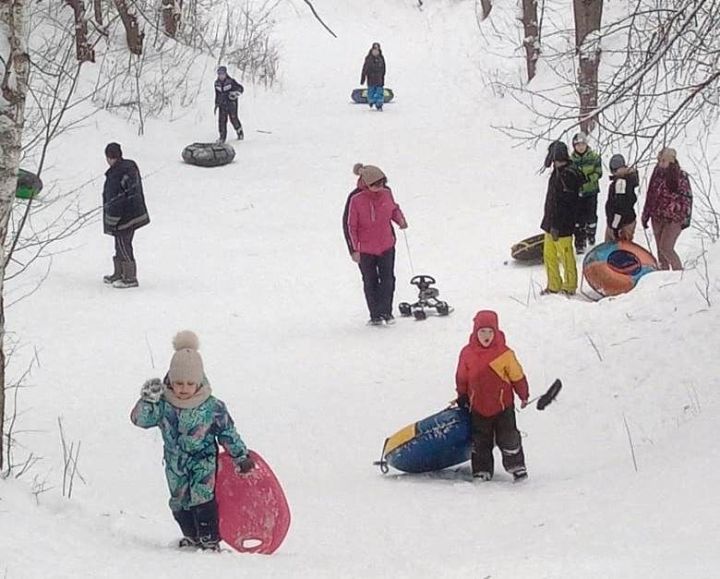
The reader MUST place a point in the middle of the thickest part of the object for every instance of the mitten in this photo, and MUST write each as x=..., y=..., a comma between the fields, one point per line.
x=463, y=401
x=555, y=234
x=152, y=390
x=244, y=464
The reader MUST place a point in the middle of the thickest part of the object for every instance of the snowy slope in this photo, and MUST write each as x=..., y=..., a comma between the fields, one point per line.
x=251, y=256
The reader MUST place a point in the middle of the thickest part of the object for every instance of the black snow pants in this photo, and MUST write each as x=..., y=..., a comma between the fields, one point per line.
x=500, y=429
x=378, y=282
x=123, y=245
x=586, y=221
x=200, y=522
x=231, y=110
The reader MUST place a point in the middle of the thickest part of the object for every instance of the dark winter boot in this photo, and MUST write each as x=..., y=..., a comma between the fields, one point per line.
x=482, y=476
x=206, y=520
x=519, y=475
x=240, y=134
x=128, y=271
x=116, y=274
x=186, y=521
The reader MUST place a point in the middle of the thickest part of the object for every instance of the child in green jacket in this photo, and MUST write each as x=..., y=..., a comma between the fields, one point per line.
x=589, y=163
x=192, y=422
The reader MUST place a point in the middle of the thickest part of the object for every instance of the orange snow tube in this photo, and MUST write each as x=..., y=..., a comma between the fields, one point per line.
x=615, y=267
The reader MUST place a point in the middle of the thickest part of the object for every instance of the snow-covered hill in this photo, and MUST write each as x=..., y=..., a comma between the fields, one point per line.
x=251, y=256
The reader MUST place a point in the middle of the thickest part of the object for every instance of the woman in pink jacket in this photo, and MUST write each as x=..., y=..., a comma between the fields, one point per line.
x=367, y=223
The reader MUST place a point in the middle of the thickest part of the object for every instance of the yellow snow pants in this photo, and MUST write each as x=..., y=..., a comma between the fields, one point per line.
x=555, y=254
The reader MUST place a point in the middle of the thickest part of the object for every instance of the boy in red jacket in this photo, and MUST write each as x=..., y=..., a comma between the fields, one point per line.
x=488, y=375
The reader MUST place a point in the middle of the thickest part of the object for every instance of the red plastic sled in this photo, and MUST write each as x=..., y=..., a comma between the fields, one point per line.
x=254, y=513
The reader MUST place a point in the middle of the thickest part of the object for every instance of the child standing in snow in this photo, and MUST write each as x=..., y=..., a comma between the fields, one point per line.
x=227, y=91
x=558, y=221
x=192, y=422
x=374, y=71
x=367, y=223
x=620, y=205
x=487, y=378
x=589, y=163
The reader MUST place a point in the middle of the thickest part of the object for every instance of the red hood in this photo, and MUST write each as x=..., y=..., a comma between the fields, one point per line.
x=487, y=319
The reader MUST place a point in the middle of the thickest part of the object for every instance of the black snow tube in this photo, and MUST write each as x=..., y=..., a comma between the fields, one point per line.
x=529, y=250
x=208, y=154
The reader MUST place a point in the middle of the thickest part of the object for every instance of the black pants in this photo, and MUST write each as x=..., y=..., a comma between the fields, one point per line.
x=199, y=522
x=123, y=245
x=586, y=227
x=223, y=113
x=501, y=430
x=378, y=282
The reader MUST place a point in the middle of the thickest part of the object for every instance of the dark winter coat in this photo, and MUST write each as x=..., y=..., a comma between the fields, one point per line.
x=373, y=70
x=226, y=93
x=620, y=205
x=561, y=200
x=123, y=199
x=669, y=196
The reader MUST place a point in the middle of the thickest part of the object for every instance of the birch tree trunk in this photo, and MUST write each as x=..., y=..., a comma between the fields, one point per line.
x=14, y=66
x=588, y=17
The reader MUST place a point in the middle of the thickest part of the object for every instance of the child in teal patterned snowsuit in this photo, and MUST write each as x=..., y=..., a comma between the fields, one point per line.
x=192, y=422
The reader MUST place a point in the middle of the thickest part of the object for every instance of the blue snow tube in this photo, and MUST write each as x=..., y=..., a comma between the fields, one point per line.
x=434, y=443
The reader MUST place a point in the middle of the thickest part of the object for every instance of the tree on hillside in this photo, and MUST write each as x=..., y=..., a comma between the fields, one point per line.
x=588, y=18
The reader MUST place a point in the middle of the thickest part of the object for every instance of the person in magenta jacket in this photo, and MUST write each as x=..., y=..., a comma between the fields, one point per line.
x=370, y=237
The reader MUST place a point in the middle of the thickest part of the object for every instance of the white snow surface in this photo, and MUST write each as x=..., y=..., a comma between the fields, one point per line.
x=251, y=257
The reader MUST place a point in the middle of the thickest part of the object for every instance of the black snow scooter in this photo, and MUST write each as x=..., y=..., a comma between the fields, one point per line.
x=427, y=299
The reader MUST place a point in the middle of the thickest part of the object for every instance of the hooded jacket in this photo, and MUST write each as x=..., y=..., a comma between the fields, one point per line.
x=373, y=70
x=368, y=226
x=226, y=93
x=669, y=196
x=590, y=165
x=561, y=200
x=489, y=376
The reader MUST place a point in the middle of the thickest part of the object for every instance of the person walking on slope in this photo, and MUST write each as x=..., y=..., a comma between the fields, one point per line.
x=374, y=71
x=669, y=206
x=192, y=422
x=558, y=222
x=620, y=205
x=124, y=211
x=488, y=377
x=589, y=163
x=227, y=91
x=367, y=223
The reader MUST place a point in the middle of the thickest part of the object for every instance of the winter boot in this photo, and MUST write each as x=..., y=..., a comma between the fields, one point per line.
x=520, y=475
x=389, y=319
x=482, y=476
x=240, y=134
x=220, y=140
x=116, y=274
x=375, y=322
x=206, y=519
x=129, y=276
x=186, y=521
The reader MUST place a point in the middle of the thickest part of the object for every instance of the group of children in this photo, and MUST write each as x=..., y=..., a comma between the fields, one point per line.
x=571, y=208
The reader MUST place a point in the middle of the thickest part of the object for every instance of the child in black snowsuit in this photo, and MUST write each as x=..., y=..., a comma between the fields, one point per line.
x=620, y=205
x=227, y=90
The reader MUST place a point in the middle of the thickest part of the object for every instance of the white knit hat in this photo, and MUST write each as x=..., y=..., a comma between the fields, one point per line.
x=186, y=364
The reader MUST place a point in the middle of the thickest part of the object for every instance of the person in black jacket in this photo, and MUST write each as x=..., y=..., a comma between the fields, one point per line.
x=561, y=203
x=620, y=205
x=374, y=71
x=124, y=211
x=227, y=90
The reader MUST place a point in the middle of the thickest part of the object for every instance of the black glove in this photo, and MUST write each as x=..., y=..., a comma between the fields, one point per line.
x=463, y=401
x=555, y=234
x=244, y=465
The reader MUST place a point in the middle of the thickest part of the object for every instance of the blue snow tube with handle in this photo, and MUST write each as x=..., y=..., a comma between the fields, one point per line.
x=433, y=443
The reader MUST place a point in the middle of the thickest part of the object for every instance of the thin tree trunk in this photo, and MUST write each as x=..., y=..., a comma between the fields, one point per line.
x=13, y=89
x=97, y=7
x=531, y=40
x=588, y=18
x=83, y=51
x=171, y=13
x=132, y=30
